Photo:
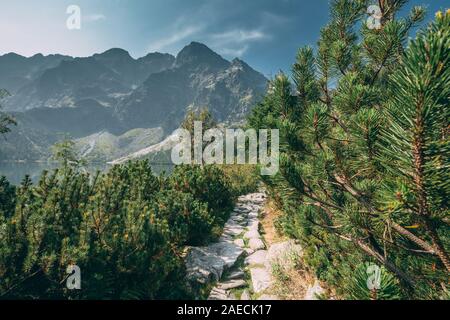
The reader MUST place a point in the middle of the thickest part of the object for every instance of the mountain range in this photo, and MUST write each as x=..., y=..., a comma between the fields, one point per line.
x=111, y=99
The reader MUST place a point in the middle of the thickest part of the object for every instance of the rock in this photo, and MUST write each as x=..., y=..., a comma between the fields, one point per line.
x=226, y=238
x=253, y=225
x=257, y=258
x=207, y=264
x=232, y=284
x=253, y=215
x=239, y=274
x=233, y=229
x=218, y=294
x=251, y=234
x=249, y=251
x=241, y=210
x=240, y=243
x=261, y=279
x=313, y=292
x=241, y=223
x=238, y=217
x=246, y=295
x=204, y=264
x=256, y=244
x=268, y=297
x=227, y=252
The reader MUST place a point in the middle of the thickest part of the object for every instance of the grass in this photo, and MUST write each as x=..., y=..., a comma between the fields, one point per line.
x=268, y=217
x=244, y=179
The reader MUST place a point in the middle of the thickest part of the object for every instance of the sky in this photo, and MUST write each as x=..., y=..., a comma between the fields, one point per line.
x=264, y=33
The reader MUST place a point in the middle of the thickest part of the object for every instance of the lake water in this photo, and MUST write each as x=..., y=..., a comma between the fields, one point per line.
x=16, y=171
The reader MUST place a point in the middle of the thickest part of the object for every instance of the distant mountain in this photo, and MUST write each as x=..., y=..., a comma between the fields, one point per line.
x=104, y=77
x=111, y=93
x=199, y=78
x=17, y=71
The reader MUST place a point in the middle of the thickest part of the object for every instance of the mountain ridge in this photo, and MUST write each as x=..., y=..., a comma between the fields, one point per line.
x=115, y=93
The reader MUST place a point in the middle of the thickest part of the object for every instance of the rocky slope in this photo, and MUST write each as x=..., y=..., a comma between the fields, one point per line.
x=17, y=71
x=199, y=78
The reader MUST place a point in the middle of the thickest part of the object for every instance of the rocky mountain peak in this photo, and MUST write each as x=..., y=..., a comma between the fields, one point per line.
x=157, y=57
x=114, y=53
x=196, y=54
x=11, y=57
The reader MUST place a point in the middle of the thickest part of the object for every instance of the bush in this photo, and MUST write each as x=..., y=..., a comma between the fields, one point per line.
x=207, y=184
x=126, y=229
x=243, y=179
x=190, y=221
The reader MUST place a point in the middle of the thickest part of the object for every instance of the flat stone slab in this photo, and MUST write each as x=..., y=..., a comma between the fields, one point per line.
x=239, y=218
x=206, y=264
x=233, y=230
x=239, y=242
x=232, y=284
x=252, y=234
x=249, y=251
x=228, y=253
x=253, y=225
x=218, y=294
x=226, y=238
x=239, y=274
x=261, y=279
x=257, y=258
x=256, y=244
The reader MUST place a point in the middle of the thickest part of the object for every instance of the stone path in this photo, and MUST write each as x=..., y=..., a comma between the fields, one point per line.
x=207, y=264
x=239, y=265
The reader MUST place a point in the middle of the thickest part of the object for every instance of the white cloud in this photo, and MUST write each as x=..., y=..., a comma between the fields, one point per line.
x=236, y=42
x=174, y=38
x=237, y=52
x=239, y=36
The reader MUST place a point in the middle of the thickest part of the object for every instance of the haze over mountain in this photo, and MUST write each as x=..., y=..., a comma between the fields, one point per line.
x=106, y=95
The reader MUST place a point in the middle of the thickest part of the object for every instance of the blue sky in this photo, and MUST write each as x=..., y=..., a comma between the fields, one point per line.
x=265, y=33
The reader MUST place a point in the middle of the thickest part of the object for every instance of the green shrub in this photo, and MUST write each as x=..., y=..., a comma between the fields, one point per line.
x=126, y=229
x=243, y=179
x=207, y=184
x=189, y=220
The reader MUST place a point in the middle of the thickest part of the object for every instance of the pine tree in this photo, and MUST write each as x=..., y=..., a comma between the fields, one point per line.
x=65, y=154
x=415, y=146
x=364, y=161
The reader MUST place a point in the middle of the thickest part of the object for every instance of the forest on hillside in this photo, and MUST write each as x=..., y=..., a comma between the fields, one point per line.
x=364, y=179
